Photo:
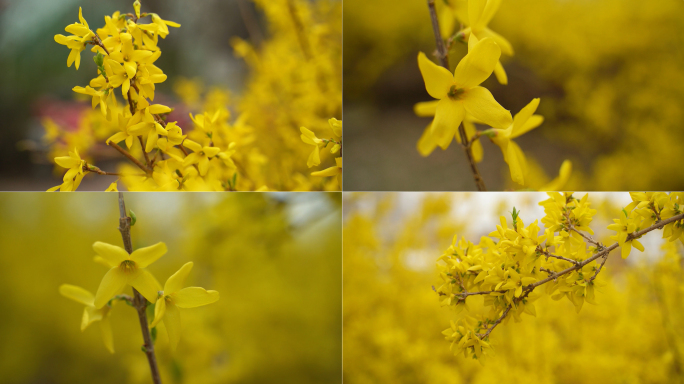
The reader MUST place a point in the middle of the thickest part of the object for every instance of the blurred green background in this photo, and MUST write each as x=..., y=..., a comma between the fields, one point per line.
x=274, y=258
x=609, y=74
x=35, y=81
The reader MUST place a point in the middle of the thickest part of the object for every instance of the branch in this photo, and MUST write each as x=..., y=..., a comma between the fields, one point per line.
x=130, y=157
x=497, y=322
x=139, y=302
x=554, y=275
x=443, y=56
x=547, y=254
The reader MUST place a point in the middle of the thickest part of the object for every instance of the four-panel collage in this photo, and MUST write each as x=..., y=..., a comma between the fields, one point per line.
x=215, y=235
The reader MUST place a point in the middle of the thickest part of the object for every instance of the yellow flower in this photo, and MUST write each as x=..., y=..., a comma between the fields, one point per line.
x=127, y=269
x=624, y=226
x=200, y=156
x=480, y=13
x=335, y=170
x=112, y=188
x=175, y=296
x=78, y=41
x=72, y=179
x=129, y=56
x=90, y=313
x=172, y=135
x=524, y=121
x=99, y=97
x=310, y=138
x=460, y=93
x=562, y=179
x=163, y=25
x=148, y=126
x=427, y=144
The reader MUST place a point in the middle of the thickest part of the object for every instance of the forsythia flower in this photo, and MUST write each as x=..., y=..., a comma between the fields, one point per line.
x=460, y=93
x=310, y=138
x=74, y=175
x=90, y=313
x=480, y=13
x=175, y=296
x=523, y=122
x=624, y=226
x=78, y=41
x=127, y=269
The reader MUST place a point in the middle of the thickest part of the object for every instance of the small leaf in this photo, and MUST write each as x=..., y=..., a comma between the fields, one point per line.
x=133, y=217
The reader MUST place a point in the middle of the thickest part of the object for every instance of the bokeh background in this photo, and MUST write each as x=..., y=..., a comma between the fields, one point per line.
x=274, y=258
x=608, y=73
x=393, y=319
x=202, y=67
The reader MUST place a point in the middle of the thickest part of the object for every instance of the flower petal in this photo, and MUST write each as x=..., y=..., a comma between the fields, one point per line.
x=448, y=117
x=106, y=330
x=480, y=103
x=425, y=108
x=143, y=281
x=437, y=79
x=478, y=64
x=112, y=283
x=76, y=293
x=111, y=253
x=159, y=311
x=177, y=280
x=172, y=322
x=192, y=297
x=521, y=117
x=148, y=255
x=515, y=158
x=426, y=144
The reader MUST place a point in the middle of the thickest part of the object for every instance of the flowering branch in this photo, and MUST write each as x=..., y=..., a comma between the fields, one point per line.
x=443, y=56
x=139, y=302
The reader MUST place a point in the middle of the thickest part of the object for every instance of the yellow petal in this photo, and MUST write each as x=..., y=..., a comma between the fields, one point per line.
x=478, y=64
x=448, y=117
x=437, y=79
x=426, y=143
x=314, y=158
x=159, y=311
x=425, y=108
x=533, y=122
x=106, y=330
x=67, y=161
x=521, y=117
x=203, y=165
x=111, y=253
x=478, y=151
x=111, y=285
x=172, y=322
x=192, y=297
x=475, y=10
x=480, y=103
x=158, y=108
x=516, y=162
x=625, y=250
x=143, y=281
x=177, y=280
x=148, y=255
x=131, y=68
x=77, y=294
x=500, y=73
x=559, y=182
x=505, y=45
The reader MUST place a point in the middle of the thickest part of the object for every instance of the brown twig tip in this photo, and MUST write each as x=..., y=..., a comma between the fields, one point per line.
x=139, y=302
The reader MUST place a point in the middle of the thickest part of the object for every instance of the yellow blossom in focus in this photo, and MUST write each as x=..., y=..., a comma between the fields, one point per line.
x=174, y=296
x=78, y=41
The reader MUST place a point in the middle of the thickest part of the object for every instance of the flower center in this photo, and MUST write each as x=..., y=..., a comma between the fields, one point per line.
x=128, y=266
x=455, y=93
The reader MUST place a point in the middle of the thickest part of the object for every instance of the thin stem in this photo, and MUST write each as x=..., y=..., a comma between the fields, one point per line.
x=547, y=254
x=250, y=23
x=139, y=302
x=443, y=56
x=497, y=322
x=130, y=157
x=142, y=145
x=299, y=28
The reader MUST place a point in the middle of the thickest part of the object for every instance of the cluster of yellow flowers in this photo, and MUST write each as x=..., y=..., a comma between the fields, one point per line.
x=461, y=99
x=564, y=258
x=335, y=147
x=131, y=270
x=258, y=150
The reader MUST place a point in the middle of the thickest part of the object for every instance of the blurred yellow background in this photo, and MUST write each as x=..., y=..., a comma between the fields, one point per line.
x=393, y=320
x=609, y=74
x=274, y=258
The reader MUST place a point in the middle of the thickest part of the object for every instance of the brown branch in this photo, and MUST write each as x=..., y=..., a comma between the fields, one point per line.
x=139, y=302
x=602, y=253
x=250, y=23
x=130, y=157
x=547, y=254
x=299, y=28
x=497, y=322
x=142, y=145
x=92, y=168
x=443, y=56
x=98, y=42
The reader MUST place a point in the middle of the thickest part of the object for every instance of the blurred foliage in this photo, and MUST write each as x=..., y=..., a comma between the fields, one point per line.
x=257, y=250
x=393, y=322
x=608, y=73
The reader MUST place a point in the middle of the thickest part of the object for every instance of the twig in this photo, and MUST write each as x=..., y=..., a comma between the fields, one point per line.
x=130, y=157
x=299, y=28
x=497, y=322
x=139, y=302
x=443, y=56
x=547, y=254
x=250, y=23
x=142, y=145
